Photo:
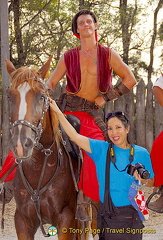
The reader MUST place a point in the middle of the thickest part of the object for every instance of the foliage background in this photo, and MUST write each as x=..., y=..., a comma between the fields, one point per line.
x=39, y=28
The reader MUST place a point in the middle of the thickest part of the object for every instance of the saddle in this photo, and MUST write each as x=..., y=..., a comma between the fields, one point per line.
x=72, y=148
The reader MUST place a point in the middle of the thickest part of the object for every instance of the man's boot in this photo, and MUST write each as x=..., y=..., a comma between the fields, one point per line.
x=6, y=191
x=157, y=206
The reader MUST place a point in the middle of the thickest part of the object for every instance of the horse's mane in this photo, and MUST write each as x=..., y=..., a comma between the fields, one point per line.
x=21, y=75
x=55, y=126
x=25, y=74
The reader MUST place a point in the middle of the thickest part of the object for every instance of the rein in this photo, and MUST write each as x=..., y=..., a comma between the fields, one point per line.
x=70, y=162
x=36, y=194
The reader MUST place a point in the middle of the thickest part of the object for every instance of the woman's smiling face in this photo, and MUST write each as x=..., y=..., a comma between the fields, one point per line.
x=117, y=132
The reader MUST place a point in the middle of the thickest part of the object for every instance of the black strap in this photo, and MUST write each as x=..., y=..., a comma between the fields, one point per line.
x=107, y=175
x=108, y=206
x=113, y=159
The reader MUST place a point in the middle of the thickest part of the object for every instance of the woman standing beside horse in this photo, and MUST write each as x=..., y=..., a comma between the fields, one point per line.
x=125, y=216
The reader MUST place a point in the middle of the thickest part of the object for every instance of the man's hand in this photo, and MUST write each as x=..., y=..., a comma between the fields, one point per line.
x=99, y=101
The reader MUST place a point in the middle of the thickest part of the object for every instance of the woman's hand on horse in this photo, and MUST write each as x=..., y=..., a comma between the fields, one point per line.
x=53, y=105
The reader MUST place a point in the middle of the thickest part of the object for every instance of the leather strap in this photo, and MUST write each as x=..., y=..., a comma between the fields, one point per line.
x=51, y=93
x=9, y=171
x=108, y=207
x=114, y=93
x=73, y=103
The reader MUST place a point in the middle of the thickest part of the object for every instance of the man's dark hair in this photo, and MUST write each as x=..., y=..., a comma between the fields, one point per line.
x=81, y=12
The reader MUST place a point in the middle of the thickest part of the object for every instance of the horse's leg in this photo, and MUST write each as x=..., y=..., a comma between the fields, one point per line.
x=91, y=226
x=24, y=228
x=88, y=224
x=78, y=225
x=95, y=206
x=66, y=224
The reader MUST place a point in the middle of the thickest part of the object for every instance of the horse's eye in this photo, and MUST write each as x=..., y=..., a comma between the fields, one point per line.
x=42, y=97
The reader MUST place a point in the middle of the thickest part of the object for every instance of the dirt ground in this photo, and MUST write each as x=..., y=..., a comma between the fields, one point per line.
x=153, y=227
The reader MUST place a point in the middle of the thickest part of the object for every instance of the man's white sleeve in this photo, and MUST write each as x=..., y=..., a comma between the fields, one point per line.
x=159, y=82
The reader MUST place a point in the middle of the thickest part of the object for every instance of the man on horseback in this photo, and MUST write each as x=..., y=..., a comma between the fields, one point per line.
x=88, y=68
x=156, y=153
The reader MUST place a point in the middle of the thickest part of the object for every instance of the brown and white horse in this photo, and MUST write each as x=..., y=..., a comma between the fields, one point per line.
x=44, y=190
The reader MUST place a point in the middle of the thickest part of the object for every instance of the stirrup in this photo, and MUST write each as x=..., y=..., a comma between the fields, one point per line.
x=158, y=192
x=150, y=197
x=87, y=218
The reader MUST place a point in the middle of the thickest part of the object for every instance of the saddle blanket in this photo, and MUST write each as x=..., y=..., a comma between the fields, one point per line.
x=8, y=163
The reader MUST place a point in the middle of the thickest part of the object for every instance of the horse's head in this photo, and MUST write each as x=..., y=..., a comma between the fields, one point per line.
x=28, y=103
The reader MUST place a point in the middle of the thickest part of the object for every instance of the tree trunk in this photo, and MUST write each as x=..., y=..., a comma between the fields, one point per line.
x=140, y=114
x=130, y=110
x=18, y=33
x=5, y=78
x=127, y=21
x=124, y=26
x=150, y=67
x=81, y=4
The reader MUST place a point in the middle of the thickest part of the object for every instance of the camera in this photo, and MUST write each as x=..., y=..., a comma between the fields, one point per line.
x=140, y=168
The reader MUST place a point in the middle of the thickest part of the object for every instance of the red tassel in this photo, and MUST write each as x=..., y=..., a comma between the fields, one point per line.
x=76, y=35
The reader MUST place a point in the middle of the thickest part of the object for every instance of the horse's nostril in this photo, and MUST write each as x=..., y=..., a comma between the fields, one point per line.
x=28, y=143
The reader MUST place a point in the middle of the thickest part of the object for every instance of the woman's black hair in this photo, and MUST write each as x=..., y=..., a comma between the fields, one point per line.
x=122, y=117
x=81, y=12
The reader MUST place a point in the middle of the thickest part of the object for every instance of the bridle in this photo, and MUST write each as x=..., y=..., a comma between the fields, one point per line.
x=36, y=193
x=39, y=128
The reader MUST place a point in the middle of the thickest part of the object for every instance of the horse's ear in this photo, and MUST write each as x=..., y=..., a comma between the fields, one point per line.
x=45, y=68
x=10, y=67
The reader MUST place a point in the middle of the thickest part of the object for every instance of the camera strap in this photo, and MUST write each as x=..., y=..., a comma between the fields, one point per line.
x=113, y=159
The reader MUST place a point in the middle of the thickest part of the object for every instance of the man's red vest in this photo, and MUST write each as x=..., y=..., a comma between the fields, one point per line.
x=73, y=74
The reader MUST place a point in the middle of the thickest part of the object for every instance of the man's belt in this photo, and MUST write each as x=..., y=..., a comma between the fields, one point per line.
x=73, y=103
x=76, y=103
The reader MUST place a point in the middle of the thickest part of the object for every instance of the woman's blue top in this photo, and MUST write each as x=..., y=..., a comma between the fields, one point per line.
x=119, y=181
